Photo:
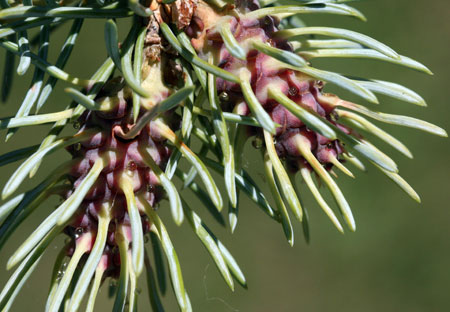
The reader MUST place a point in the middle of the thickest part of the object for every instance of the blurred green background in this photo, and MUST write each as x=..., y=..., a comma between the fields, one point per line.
x=398, y=259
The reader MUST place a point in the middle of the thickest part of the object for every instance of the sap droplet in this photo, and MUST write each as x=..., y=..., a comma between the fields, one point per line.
x=61, y=271
x=78, y=232
x=150, y=188
x=76, y=125
x=319, y=84
x=257, y=143
x=60, y=275
x=224, y=97
x=293, y=91
x=267, y=21
x=131, y=166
